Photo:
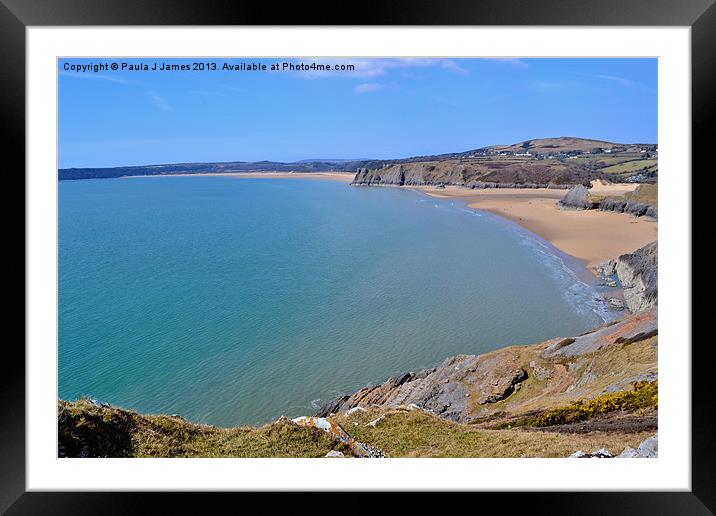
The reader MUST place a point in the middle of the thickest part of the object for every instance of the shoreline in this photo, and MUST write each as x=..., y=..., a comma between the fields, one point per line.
x=577, y=269
x=474, y=200
x=590, y=236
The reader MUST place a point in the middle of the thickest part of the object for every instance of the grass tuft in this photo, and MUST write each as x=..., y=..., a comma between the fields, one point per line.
x=85, y=430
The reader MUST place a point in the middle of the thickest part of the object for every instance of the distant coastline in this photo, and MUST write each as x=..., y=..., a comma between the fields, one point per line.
x=591, y=237
x=556, y=162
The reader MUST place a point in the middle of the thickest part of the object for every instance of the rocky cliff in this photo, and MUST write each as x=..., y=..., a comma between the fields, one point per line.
x=517, y=381
x=638, y=273
x=637, y=209
x=586, y=392
x=639, y=203
x=475, y=173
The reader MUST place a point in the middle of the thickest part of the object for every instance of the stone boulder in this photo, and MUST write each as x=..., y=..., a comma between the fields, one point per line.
x=648, y=449
x=577, y=198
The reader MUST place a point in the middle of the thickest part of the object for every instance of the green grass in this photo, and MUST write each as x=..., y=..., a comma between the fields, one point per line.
x=631, y=166
x=606, y=160
x=85, y=430
x=112, y=432
x=419, y=434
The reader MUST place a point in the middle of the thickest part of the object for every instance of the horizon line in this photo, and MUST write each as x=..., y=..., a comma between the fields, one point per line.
x=347, y=160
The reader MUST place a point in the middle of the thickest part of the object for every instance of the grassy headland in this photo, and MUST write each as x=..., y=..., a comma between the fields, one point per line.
x=588, y=392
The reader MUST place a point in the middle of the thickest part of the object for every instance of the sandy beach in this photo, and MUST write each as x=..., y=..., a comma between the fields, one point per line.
x=591, y=236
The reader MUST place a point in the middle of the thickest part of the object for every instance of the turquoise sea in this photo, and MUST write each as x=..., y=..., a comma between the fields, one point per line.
x=233, y=301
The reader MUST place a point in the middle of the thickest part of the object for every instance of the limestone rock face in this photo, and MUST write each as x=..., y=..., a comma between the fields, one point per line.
x=637, y=209
x=447, y=390
x=474, y=174
x=617, y=205
x=638, y=274
x=518, y=380
x=606, y=269
x=616, y=303
x=577, y=198
x=631, y=329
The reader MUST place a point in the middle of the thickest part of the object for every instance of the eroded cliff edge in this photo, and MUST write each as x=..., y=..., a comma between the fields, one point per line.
x=474, y=174
x=597, y=392
x=587, y=392
x=638, y=273
x=642, y=202
x=518, y=381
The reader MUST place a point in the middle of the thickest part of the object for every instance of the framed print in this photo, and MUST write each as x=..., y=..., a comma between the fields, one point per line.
x=414, y=252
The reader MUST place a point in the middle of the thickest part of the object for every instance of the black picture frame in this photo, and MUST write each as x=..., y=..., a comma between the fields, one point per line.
x=17, y=15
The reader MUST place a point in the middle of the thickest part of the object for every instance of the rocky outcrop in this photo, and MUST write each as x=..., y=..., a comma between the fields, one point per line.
x=631, y=329
x=601, y=453
x=638, y=274
x=475, y=174
x=648, y=449
x=509, y=390
x=636, y=209
x=577, y=198
x=446, y=390
x=469, y=388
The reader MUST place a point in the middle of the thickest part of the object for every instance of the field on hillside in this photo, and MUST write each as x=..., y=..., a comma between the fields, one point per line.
x=631, y=166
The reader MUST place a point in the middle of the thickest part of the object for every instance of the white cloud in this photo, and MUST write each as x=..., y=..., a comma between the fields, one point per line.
x=517, y=63
x=159, y=102
x=368, y=87
x=366, y=68
x=451, y=65
x=614, y=78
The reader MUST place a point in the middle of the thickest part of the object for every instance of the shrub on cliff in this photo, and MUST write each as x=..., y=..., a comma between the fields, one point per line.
x=645, y=394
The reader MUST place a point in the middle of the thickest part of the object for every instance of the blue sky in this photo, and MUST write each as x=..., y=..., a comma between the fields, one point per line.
x=384, y=108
